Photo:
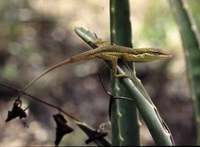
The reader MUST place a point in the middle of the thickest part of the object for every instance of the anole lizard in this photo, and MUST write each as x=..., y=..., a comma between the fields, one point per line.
x=112, y=53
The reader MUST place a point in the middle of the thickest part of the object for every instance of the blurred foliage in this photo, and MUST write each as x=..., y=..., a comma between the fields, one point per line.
x=35, y=35
x=191, y=41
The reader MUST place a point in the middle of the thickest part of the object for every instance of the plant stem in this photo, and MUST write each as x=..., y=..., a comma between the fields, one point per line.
x=120, y=30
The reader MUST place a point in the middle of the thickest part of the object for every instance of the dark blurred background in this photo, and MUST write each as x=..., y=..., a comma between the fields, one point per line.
x=35, y=35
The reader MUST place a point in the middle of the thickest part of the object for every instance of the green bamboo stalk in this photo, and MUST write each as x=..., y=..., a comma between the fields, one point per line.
x=120, y=30
x=191, y=43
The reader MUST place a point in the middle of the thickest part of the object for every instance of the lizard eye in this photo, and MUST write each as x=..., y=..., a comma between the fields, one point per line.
x=156, y=52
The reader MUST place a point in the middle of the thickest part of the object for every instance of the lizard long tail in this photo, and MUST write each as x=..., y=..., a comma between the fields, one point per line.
x=81, y=57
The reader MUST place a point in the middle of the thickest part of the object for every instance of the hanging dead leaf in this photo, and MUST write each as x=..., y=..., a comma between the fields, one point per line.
x=16, y=111
x=95, y=135
x=62, y=128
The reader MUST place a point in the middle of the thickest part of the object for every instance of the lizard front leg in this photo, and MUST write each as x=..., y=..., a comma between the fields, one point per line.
x=114, y=59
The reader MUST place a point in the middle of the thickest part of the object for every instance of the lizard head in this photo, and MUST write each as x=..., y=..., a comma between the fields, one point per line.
x=152, y=54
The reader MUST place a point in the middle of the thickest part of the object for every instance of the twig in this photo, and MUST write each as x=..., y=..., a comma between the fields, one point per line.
x=112, y=96
x=35, y=98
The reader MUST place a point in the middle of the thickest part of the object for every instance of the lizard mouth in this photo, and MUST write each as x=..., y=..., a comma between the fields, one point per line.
x=165, y=55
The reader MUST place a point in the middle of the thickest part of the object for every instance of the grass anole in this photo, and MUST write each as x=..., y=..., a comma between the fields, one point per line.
x=112, y=53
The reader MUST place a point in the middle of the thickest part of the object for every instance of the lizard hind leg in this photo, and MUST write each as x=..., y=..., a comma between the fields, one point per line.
x=99, y=42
